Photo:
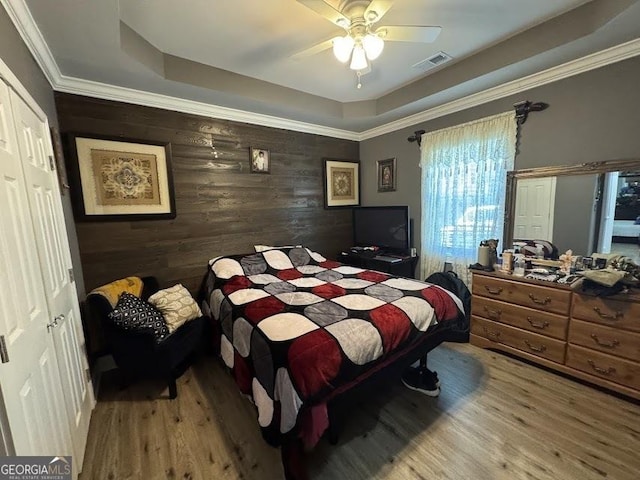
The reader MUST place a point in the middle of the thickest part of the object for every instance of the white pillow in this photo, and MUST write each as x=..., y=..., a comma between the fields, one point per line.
x=177, y=306
x=262, y=248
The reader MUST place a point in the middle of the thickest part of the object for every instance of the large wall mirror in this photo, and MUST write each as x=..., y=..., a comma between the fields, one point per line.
x=591, y=207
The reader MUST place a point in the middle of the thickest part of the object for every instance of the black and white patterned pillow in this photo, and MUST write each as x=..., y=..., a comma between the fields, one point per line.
x=133, y=313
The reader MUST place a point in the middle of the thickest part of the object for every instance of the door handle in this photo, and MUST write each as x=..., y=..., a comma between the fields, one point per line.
x=60, y=318
x=4, y=355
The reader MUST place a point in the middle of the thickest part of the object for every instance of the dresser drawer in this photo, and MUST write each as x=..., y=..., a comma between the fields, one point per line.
x=532, y=343
x=615, y=313
x=614, y=369
x=544, y=323
x=605, y=339
x=534, y=296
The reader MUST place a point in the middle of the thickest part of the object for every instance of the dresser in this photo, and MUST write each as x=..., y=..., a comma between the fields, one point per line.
x=596, y=339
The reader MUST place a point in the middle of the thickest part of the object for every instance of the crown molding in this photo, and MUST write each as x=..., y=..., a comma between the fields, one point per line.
x=104, y=91
x=575, y=67
x=31, y=35
x=21, y=17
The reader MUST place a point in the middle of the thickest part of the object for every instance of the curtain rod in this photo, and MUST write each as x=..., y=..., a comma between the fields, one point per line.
x=522, y=113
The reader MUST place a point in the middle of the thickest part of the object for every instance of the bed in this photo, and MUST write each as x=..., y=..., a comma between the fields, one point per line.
x=300, y=332
x=626, y=229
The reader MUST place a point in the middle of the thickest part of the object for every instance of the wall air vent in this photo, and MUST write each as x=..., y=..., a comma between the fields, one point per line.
x=433, y=61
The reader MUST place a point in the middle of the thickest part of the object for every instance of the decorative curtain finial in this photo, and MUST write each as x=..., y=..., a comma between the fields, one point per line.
x=522, y=113
x=523, y=109
x=416, y=137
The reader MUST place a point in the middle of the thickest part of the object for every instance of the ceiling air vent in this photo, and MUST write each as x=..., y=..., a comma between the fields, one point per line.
x=433, y=61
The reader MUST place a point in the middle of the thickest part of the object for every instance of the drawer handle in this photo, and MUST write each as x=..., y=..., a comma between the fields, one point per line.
x=534, y=324
x=602, y=371
x=497, y=291
x=612, y=344
x=491, y=334
x=538, y=301
x=493, y=314
x=535, y=348
x=617, y=315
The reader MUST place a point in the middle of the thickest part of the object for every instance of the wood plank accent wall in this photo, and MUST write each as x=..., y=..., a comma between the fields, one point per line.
x=221, y=207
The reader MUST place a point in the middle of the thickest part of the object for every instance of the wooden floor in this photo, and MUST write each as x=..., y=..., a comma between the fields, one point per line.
x=496, y=418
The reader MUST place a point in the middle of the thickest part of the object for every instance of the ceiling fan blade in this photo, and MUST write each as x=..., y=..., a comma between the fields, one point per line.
x=380, y=7
x=408, y=33
x=320, y=47
x=327, y=11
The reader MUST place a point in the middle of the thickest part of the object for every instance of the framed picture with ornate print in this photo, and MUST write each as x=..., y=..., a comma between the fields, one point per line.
x=120, y=179
x=387, y=175
x=341, y=183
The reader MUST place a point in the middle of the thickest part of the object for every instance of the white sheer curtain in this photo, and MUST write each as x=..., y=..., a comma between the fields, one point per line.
x=463, y=190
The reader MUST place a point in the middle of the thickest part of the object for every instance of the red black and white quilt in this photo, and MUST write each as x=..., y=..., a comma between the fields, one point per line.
x=296, y=326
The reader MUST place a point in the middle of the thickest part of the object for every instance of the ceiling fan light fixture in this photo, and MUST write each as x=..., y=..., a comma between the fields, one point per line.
x=358, y=59
x=342, y=47
x=373, y=46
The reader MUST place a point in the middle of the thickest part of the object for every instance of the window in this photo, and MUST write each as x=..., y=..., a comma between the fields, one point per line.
x=463, y=190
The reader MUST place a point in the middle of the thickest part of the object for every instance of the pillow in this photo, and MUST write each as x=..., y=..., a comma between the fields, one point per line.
x=637, y=222
x=316, y=256
x=262, y=248
x=133, y=313
x=177, y=305
x=529, y=248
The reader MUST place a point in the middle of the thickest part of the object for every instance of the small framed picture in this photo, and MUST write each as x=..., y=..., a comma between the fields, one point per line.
x=387, y=175
x=260, y=161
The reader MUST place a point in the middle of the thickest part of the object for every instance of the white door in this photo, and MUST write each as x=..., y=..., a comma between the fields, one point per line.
x=55, y=265
x=30, y=380
x=608, y=211
x=535, y=200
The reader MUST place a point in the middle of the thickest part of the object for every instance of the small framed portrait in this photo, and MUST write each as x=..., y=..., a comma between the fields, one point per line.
x=260, y=160
x=387, y=175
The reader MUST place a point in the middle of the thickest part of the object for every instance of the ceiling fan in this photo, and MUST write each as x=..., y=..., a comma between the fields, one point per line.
x=364, y=39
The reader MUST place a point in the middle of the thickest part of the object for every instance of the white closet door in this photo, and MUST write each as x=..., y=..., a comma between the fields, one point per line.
x=30, y=380
x=55, y=265
x=535, y=201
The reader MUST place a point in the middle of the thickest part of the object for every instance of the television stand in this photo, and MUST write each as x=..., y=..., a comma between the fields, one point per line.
x=398, y=265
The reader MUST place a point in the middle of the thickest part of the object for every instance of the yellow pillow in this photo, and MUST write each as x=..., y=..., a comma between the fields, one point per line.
x=177, y=305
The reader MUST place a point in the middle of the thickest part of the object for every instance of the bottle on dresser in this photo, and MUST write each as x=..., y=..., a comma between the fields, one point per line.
x=507, y=261
x=519, y=265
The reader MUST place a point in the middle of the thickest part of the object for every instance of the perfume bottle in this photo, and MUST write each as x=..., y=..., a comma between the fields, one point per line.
x=519, y=266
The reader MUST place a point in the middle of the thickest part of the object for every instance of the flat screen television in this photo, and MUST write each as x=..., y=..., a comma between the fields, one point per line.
x=384, y=227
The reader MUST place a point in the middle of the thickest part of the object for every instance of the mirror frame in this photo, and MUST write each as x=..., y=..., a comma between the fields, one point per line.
x=562, y=170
